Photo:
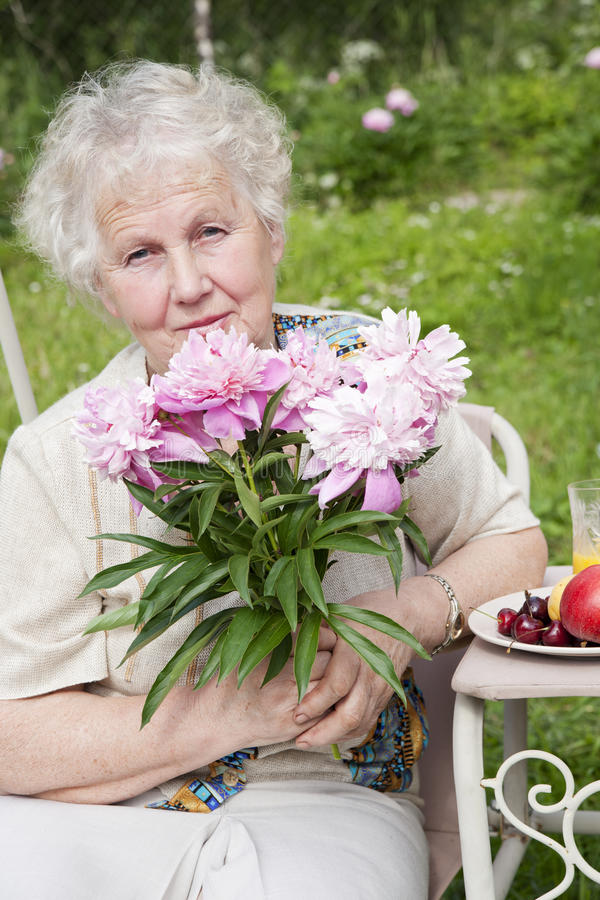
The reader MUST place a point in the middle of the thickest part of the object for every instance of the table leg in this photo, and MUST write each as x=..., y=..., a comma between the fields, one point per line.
x=471, y=798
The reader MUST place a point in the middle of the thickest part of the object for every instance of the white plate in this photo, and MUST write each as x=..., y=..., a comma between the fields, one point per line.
x=487, y=628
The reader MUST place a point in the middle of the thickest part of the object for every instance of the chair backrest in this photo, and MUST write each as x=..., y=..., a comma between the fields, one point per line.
x=434, y=678
x=15, y=363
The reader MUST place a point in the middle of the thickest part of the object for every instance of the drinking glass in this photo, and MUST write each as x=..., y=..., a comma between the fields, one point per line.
x=584, y=500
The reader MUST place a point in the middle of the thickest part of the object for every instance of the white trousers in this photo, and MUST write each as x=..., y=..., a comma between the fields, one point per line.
x=286, y=840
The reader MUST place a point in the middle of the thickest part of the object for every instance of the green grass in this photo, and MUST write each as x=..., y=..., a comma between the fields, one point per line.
x=516, y=277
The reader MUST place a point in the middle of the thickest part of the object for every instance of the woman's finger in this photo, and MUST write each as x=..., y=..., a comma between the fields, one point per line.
x=337, y=681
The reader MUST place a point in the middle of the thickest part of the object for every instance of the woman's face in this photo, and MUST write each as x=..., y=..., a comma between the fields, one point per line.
x=191, y=254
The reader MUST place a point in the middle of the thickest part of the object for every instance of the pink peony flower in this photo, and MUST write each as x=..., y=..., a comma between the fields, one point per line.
x=333, y=77
x=425, y=363
x=224, y=376
x=367, y=433
x=592, y=59
x=402, y=100
x=118, y=427
x=315, y=371
x=377, y=119
x=124, y=434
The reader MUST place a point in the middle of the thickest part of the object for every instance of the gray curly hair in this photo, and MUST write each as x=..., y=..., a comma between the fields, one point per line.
x=123, y=125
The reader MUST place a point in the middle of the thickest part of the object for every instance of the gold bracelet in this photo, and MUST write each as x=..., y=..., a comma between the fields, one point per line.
x=455, y=621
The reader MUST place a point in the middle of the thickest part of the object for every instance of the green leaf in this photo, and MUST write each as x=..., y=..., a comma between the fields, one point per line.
x=270, y=636
x=380, y=623
x=163, y=620
x=352, y=543
x=285, y=440
x=346, y=520
x=171, y=586
x=264, y=530
x=151, y=630
x=205, y=542
x=163, y=490
x=287, y=592
x=389, y=539
x=158, y=577
x=420, y=461
x=146, y=497
x=279, y=657
x=159, y=546
x=205, y=507
x=370, y=652
x=306, y=650
x=269, y=415
x=208, y=579
x=126, y=615
x=224, y=461
x=309, y=577
x=291, y=532
x=262, y=464
x=250, y=501
x=197, y=640
x=244, y=625
x=212, y=663
x=416, y=536
x=116, y=574
x=269, y=589
x=283, y=500
x=189, y=471
x=239, y=566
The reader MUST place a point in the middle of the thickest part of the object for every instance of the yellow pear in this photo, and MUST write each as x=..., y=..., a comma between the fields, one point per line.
x=556, y=596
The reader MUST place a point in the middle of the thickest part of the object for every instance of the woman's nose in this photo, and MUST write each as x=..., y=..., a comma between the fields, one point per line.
x=189, y=277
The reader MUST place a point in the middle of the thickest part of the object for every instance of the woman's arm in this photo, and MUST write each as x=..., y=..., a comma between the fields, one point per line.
x=479, y=571
x=75, y=746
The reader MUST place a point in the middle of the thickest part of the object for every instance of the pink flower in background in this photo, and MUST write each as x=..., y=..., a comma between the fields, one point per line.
x=365, y=433
x=377, y=119
x=118, y=427
x=315, y=371
x=592, y=59
x=425, y=363
x=402, y=100
x=224, y=376
x=333, y=77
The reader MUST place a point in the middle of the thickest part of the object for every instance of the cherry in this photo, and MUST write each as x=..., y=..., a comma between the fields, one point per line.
x=536, y=607
x=505, y=618
x=527, y=629
x=556, y=635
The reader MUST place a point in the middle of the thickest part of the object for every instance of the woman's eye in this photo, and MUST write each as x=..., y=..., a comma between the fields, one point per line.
x=141, y=254
x=210, y=231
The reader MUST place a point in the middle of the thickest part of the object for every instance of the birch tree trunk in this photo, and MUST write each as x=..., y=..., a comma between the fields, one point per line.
x=204, y=45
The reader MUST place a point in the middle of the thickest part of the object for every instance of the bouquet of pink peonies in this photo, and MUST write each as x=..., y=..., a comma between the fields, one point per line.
x=323, y=447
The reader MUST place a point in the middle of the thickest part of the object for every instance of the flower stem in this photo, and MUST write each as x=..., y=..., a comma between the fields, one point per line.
x=252, y=485
x=297, y=462
x=335, y=750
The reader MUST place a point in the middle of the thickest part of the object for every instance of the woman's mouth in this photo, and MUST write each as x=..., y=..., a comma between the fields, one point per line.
x=206, y=324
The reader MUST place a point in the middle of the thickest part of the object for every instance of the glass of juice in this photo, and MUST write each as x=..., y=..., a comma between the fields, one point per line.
x=584, y=500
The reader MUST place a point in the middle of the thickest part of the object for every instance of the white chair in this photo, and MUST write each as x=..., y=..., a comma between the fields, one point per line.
x=435, y=767
x=17, y=370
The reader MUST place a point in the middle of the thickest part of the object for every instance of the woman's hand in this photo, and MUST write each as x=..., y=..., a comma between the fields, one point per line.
x=255, y=716
x=349, y=698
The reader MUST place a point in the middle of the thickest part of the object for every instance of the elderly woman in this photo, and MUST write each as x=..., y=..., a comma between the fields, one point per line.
x=161, y=192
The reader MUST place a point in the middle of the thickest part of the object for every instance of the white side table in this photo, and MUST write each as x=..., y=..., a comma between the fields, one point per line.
x=488, y=672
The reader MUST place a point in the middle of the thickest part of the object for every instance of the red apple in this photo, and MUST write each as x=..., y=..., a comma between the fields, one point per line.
x=580, y=605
